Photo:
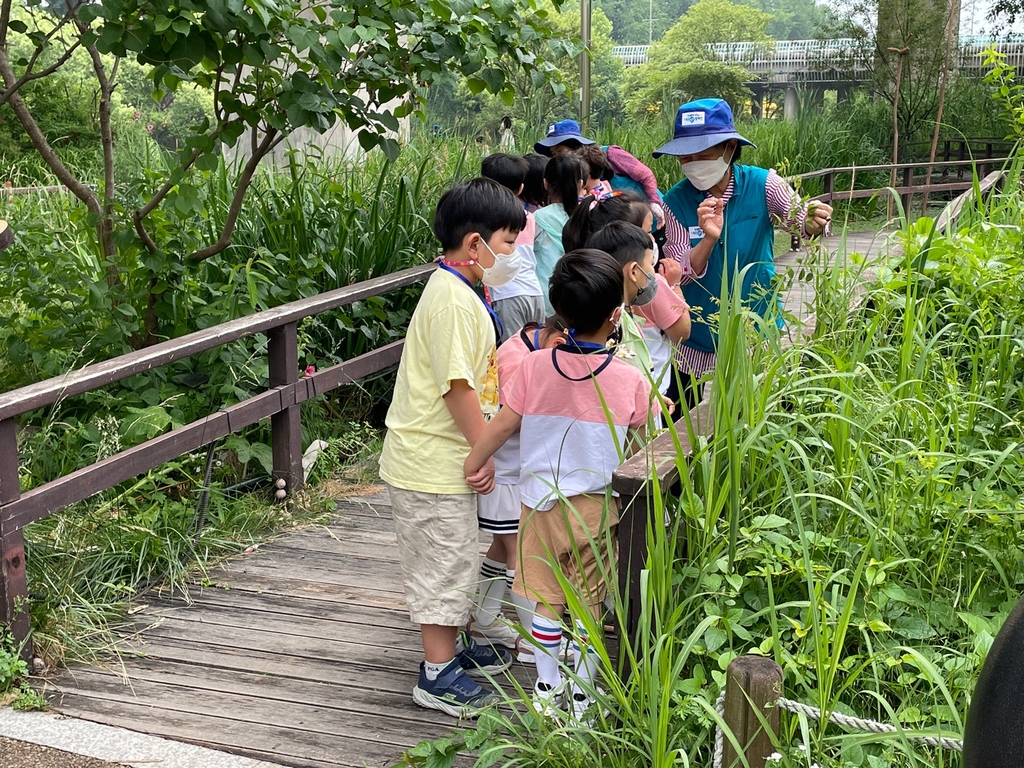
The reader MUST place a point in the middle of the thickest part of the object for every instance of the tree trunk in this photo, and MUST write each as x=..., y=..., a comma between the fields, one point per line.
x=954, y=13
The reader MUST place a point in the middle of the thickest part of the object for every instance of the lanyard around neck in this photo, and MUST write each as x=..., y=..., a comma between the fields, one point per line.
x=582, y=348
x=499, y=330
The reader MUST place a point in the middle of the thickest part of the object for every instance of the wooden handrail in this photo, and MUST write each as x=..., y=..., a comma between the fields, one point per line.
x=900, y=166
x=43, y=393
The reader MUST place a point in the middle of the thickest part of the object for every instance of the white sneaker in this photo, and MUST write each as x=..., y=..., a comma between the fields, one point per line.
x=580, y=703
x=499, y=632
x=527, y=652
x=547, y=699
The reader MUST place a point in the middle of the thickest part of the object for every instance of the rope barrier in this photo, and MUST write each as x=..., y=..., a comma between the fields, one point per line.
x=870, y=726
x=843, y=721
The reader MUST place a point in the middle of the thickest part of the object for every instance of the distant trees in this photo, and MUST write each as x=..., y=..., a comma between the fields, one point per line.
x=681, y=68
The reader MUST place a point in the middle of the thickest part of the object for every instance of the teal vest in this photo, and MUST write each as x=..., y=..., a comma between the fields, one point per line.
x=747, y=239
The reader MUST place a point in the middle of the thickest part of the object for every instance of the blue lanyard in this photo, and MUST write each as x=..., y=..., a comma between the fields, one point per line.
x=499, y=330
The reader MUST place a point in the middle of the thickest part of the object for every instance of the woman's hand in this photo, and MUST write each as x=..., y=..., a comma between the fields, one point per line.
x=819, y=216
x=711, y=217
x=671, y=270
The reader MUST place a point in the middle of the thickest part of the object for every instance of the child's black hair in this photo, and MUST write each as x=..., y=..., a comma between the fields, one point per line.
x=533, y=186
x=508, y=170
x=564, y=175
x=585, y=288
x=478, y=205
x=625, y=242
x=589, y=218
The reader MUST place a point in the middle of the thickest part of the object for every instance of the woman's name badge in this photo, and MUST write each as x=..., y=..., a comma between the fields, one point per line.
x=696, y=233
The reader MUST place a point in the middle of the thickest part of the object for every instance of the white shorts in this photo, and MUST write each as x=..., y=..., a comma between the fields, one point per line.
x=498, y=511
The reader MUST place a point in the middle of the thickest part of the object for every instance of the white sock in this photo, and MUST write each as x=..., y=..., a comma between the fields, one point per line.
x=492, y=590
x=548, y=635
x=525, y=607
x=586, y=657
x=433, y=670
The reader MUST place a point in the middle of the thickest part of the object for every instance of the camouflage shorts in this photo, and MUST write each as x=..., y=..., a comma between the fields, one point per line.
x=439, y=552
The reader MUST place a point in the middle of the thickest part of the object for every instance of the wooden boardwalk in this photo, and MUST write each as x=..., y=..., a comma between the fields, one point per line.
x=300, y=653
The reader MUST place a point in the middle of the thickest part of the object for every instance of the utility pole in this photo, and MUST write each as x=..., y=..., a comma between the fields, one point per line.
x=585, y=65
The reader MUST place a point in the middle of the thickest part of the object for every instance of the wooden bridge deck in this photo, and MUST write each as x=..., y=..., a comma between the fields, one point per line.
x=300, y=653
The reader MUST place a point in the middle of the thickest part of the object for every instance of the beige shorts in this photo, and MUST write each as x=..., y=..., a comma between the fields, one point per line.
x=575, y=536
x=439, y=552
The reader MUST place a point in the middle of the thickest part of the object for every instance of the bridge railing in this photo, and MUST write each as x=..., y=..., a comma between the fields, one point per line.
x=280, y=403
x=840, y=59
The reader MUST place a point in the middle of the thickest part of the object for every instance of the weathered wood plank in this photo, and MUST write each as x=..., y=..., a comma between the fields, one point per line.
x=299, y=646
x=371, y=728
x=296, y=606
x=273, y=743
x=267, y=581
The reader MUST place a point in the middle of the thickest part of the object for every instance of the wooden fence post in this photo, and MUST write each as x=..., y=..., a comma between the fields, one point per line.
x=13, y=585
x=632, y=538
x=753, y=685
x=830, y=186
x=286, y=426
x=908, y=182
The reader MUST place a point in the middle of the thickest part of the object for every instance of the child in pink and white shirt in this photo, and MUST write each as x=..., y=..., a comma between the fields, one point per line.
x=574, y=407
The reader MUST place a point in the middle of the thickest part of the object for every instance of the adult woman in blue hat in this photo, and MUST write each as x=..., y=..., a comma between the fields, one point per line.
x=721, y=219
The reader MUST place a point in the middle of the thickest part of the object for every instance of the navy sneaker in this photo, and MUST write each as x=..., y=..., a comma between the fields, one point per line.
x=453, y=692
x=478, y=659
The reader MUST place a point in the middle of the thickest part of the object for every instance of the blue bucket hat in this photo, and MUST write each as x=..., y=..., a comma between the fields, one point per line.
x=701, y=125
x=558, y=133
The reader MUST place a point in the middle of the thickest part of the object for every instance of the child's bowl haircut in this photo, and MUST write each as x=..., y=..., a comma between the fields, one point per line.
x=626, y=242
x=585, y=288
x=508, y=170
x=478, y=205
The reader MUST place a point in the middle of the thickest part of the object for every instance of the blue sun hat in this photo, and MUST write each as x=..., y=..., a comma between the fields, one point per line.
x=701, y=125
x=558, y=133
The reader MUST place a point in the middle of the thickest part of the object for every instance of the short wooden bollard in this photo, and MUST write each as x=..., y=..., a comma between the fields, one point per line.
x=752, y=688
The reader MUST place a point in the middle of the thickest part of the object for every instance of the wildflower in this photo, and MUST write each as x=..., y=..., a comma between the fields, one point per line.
x=310, y=370
x=802, y=747
x=774, y=757
x=136, y=116
x=149, y=127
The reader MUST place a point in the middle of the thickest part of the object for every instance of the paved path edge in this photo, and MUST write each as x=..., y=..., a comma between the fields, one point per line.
x=117, y=745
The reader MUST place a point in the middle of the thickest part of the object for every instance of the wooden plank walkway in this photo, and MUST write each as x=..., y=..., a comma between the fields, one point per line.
x=300, y=653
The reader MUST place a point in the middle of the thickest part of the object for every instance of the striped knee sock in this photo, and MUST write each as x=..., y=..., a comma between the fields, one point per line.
x=586, y=656
x=524, y=606
x=492, y=589
x=547, y=633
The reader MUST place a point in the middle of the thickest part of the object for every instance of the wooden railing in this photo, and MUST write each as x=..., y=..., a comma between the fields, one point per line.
x=910, y=179
x=280, y=403
x=655, y=470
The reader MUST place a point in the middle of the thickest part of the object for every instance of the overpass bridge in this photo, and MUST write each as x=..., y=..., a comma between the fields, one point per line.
x=843, y=61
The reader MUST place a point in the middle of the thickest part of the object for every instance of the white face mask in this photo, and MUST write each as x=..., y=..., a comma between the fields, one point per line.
x=503, y=271
x=704, y=174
